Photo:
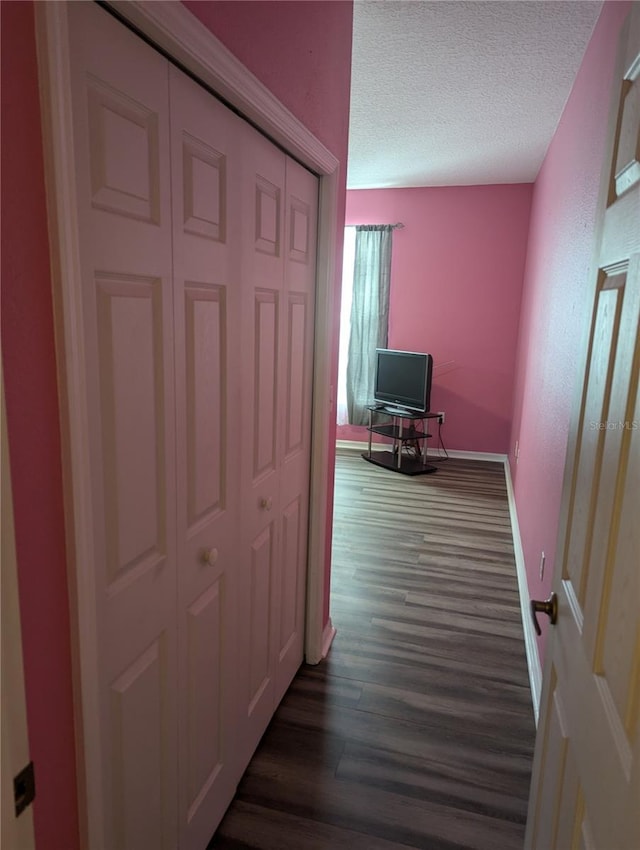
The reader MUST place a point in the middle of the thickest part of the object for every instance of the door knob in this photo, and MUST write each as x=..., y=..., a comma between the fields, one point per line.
x=548, y=607
x=266, y=504
x=209, y=556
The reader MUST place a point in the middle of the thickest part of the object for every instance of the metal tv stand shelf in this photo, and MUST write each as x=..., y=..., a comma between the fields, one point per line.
x=400, y=425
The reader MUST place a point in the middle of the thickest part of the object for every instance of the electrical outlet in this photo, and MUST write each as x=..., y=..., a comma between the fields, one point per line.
x=441, y=415
x=543, y=559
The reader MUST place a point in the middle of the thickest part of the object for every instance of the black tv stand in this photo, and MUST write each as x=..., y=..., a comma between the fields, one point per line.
x=401, y=427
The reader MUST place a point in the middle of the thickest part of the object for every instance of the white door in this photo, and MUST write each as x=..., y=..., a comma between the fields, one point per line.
x=205, y=155
x=197, y=247
x=15, y=830
x=120, y=90
x=586, y=774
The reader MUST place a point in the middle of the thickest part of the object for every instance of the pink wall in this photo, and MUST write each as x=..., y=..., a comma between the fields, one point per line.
x=303, y=52
x=311, y=40
x=34, y=438
x=556, y=299
x=456, y=283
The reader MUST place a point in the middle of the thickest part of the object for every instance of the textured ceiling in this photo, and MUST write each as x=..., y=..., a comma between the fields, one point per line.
x=460, y=93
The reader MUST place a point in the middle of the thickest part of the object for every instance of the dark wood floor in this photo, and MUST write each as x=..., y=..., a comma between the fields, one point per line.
x=417, y=730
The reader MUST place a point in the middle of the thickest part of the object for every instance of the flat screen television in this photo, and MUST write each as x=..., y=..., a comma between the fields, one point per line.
x=403, y=380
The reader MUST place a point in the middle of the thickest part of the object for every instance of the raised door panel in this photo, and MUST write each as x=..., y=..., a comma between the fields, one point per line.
x=554, y=755
x=265, y=411
x=268, y=223
x=205, y=717
x=293, y=556
x=121, y=144
x=567, y=824
x=296, y=388
x=205, y=154
x=128, y=187
x=258, y=623
x=134, y=523
x=132, y=414
x=142, y=768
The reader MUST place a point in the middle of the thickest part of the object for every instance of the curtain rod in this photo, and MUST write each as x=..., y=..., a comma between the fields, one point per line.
x=397, y=226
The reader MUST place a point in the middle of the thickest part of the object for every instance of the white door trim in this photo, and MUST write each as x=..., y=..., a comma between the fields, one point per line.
x=173, y=28
x=15, y=830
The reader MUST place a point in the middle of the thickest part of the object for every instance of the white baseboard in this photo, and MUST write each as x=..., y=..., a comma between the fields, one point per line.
x=530, y=642
x=492, y=456
x=359, y=446
x=351, y=446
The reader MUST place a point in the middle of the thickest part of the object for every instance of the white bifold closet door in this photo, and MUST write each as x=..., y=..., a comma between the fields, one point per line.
x=121, y=141
x=205, y=168
x=197, y=249
x=278, y=273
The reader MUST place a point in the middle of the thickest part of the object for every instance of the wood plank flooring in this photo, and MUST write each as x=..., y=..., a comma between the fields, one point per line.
x=417, y=730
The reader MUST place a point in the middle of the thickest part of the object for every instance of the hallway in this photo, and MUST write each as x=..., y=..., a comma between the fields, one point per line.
x=417, y=730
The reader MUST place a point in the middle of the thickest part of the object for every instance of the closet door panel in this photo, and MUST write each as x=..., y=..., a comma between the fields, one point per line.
x=264, y=412
x=206, y=238
x=260, y=644
x=205, y=717
x=205, y=326
x=134, y=457
x=121, y=145
x=295, y=378
x=263, y=196
x=139, y=755
x=293, y=536
x=132, y=419
x=301, y=203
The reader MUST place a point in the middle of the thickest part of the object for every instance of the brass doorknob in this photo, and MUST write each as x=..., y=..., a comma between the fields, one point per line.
x=548, y=607
x=209, y=556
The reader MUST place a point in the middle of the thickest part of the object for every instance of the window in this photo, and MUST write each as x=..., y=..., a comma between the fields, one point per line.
x=364, y=317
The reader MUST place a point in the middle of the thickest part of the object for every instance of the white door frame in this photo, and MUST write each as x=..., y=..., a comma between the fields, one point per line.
x=174, y=29
x=15, y=830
